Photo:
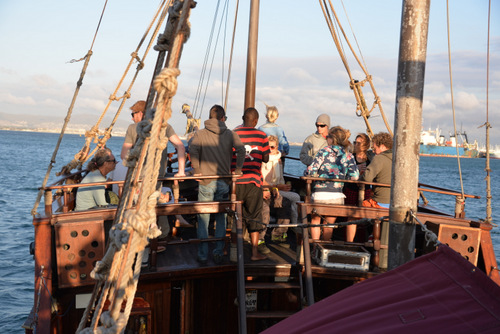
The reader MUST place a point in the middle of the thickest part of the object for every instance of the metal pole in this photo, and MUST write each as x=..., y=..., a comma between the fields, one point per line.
x=408, y=123
x=253, y=37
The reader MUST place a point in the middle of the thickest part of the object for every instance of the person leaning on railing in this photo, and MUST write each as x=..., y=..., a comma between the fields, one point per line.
x=99, y=166
x=333, y=162
x=379, y=170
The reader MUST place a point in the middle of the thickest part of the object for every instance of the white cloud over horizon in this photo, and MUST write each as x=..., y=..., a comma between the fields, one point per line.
x=301, y=86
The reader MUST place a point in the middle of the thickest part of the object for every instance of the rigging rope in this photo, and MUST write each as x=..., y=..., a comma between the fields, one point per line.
x=93, y=134
x=120, y=267
x=452, y=100
x=488, y=126
x=355, y=85
x=68, y=114
x=230, y=65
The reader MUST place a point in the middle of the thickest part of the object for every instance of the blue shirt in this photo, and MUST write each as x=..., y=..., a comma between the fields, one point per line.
x=273, y=129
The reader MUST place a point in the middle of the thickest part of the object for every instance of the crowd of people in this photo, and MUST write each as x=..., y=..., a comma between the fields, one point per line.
x=257, y=154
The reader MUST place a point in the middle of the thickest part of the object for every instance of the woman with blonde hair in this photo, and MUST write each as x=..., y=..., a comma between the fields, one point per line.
x=332, y=162
x=273, y=129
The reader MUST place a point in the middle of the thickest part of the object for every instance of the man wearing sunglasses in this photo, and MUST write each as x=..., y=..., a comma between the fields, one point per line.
x=131, y=135
x=315, y=141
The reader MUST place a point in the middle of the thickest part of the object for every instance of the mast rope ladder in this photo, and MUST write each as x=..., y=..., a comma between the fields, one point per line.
x=356, y=86
x=94, y=134
x=118, y=272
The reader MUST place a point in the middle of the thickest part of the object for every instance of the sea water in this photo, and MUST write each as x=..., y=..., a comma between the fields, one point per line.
x=25, y=157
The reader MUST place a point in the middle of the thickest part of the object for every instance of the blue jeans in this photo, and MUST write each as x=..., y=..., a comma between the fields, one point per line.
x=216, y=190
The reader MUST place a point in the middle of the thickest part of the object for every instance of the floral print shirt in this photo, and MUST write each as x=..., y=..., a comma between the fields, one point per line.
x=332, y=162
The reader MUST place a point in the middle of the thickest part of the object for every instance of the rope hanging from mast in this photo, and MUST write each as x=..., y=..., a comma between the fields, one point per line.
x=356, y=85
x=487, y=126
x=461, y=199
x=208, y=60
x=96, y=136
x=68, y=114
x=118, y=272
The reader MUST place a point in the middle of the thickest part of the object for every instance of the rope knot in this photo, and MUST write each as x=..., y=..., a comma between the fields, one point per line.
x=144, y=128
x=166, y=81
x=119, y=235
x=100, y=271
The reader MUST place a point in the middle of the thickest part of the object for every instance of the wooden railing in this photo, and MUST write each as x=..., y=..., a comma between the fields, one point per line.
x=67, y=189
x=459, y=207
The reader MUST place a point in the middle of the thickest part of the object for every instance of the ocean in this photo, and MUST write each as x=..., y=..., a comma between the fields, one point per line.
x=25, y=157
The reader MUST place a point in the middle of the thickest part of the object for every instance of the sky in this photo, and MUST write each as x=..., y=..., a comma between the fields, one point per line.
x=299, y=69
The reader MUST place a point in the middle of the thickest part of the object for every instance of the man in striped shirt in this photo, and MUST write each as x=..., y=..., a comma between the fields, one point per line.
x=249, y=186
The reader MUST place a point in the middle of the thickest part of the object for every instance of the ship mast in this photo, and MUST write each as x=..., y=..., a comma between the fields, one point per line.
x=408, y=122
x=253, y=37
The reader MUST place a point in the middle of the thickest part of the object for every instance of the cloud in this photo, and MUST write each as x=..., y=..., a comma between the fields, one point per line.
x=301, y=75
x=8, y=98
x=7, y=71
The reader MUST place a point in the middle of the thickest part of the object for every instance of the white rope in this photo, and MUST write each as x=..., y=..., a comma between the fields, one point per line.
x=428, y=234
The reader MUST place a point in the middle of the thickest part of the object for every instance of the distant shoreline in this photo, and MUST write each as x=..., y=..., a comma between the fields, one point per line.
x=80, y=132
x=68, y=131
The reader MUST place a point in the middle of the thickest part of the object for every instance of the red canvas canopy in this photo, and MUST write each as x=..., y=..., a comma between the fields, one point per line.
x=440, y=292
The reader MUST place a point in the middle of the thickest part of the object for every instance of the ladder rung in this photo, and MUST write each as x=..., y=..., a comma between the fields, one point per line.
x=271, y=285
x=270, y=314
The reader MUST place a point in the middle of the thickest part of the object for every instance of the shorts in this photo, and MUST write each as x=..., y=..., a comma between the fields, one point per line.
x=323, y=197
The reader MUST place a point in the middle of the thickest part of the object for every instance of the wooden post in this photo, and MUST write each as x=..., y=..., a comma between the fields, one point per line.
x=408, y=123
x=253, y=37
x=43, y=274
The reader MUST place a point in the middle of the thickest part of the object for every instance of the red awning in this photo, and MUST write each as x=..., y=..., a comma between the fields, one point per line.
x=440, y=292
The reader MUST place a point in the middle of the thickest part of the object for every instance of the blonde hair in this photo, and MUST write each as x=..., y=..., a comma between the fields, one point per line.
x=272, y=138
x=272, y=113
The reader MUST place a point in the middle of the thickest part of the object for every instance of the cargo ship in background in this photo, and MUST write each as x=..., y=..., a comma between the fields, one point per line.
x=433, y=143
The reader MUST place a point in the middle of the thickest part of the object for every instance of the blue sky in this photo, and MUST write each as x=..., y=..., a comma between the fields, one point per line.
x=299, y=68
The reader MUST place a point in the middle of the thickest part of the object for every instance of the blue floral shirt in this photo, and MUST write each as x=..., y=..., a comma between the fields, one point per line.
x=332, y=162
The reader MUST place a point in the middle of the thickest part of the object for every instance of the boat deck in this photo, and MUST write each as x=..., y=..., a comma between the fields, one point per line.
x=177, y=255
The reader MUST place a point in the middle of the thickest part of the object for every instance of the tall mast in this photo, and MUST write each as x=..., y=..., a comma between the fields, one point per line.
x=408, y=123
x=253, y=37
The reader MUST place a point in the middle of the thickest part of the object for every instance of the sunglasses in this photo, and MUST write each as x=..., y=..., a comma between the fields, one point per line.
x=135, y=112
x=113, y=161
x=272, y=146
x=320, y=125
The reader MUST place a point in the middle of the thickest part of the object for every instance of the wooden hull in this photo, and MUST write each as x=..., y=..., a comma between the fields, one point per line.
x=176, y=294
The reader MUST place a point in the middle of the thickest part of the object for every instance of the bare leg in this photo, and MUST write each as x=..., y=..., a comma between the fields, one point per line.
x=254, y=237
x=350, y=233
x=327, y=231
x=315, y=231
